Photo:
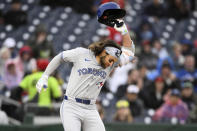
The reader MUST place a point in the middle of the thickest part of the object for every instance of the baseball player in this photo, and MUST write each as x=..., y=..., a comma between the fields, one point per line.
x=91, y=67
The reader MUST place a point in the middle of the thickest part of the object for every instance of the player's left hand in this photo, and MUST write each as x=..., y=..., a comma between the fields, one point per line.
x=122, y=29
x=42, y=83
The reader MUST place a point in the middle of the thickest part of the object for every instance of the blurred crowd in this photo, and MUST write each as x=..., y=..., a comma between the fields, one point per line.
x=162, y=83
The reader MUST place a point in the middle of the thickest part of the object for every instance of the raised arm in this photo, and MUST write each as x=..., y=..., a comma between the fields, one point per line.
x=127, y=42
x=128, y=48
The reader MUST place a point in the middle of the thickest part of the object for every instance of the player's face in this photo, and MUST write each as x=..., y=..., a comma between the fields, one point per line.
x=107, y=60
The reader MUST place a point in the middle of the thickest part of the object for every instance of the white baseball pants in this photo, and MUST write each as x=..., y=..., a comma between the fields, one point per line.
x=76, y=116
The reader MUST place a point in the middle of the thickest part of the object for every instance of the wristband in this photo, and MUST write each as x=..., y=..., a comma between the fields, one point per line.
x=124, y=31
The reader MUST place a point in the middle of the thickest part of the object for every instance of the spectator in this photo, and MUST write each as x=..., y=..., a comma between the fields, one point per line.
x=146, y=83
x=177, y=56
x=123, y=113
x=186, y=47
x=4, y=56
x=165, y=61
x=145, y=31
x=165, y=70
x=154, y=96
x=170, y=80
x=146, y=57
x=178, y=9
x=155, y=8
x=10, y=43
x=24, y=62
x=173, y=107
x=15, y=16
x=143, y=75
x=41, y=47
x=158, y=50
x=135, y=104
x=133, y=78
x=188, y=72
x=12, y=77
x=45, y=98
x=188, y=96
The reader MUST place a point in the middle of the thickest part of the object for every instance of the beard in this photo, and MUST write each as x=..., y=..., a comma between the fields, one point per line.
x=102, y=61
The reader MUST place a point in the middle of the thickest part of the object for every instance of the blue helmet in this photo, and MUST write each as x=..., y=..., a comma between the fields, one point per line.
x=108, y=12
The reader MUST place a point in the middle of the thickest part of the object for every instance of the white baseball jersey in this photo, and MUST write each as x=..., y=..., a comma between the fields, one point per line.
x=87, y=76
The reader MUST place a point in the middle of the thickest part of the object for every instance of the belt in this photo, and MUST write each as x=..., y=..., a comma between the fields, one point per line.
x=87, y=102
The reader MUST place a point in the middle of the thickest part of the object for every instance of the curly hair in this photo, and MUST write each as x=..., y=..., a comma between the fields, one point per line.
x=98, y=47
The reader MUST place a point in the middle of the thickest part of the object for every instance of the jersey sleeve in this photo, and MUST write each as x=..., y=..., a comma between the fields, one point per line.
x=54, y=87
x=72, y=55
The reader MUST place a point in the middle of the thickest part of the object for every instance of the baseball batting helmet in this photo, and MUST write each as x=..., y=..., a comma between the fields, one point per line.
x=109, y=12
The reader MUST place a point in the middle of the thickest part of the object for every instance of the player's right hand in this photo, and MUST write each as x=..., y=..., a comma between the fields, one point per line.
x=123, y=29
x=42, y=83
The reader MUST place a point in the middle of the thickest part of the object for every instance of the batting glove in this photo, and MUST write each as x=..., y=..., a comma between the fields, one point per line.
x=123, y=29
x=42, y=83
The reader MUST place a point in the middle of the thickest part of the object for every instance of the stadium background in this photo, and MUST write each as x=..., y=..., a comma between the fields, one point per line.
x=164, y=34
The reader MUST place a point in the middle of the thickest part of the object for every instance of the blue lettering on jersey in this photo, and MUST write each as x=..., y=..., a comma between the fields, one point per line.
x=89, y=70
x=84, y=71
x=93, y=71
